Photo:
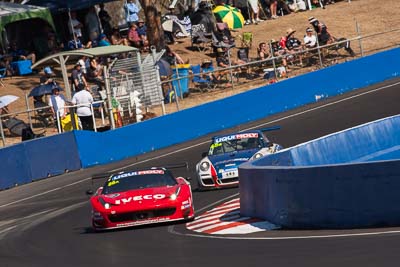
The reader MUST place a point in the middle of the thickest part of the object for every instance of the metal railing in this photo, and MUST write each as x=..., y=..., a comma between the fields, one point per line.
x=42, y=122
x=320, y=55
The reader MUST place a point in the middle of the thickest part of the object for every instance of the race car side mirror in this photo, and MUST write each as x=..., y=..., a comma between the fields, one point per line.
x=204, y=154
x=89, y=192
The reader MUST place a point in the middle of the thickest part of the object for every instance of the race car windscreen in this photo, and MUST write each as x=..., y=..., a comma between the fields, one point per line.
x=133, y=181
x=221, y=146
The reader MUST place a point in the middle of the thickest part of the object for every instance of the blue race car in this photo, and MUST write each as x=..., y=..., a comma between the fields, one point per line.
x=219, y=166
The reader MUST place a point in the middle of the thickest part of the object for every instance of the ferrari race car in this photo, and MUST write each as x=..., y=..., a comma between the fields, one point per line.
x=219, y=167
x=140, y=197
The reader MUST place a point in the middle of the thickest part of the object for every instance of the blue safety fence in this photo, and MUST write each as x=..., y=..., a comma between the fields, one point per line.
x=101, y=148
x=37, y=159
x=349, y=179
x=252, y=105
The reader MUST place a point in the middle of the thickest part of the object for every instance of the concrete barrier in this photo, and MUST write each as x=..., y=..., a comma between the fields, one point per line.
x=37, y=159
x=105, y=147
x=348, y=179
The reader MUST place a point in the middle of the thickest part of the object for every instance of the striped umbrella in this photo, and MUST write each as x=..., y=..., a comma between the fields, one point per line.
x=230, y=15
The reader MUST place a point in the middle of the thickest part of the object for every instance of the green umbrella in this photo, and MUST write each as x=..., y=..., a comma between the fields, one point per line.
x=230, y=15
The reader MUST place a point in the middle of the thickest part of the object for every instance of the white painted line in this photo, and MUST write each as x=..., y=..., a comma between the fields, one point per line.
x=221, y=224
x=216, y=216
x=224, y=207
x=219, y=211
x=249, y=228
x=207, y=222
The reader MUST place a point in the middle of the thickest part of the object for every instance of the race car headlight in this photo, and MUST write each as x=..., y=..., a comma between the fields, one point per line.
x=105, y=204
x=258, y=155
x=204, y=166
x=174, y=196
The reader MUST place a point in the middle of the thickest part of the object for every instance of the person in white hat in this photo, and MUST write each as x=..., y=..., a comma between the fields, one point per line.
x=310, y=40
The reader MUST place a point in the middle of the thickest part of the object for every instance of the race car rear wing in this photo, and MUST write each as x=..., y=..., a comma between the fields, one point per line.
x=108, y=174
x=272, y=128
x=167, y=167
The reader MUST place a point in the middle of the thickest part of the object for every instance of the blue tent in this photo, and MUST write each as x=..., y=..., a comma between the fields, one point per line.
x=64, y=5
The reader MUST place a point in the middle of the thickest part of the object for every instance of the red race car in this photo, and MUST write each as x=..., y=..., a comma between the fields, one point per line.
x=141, y=197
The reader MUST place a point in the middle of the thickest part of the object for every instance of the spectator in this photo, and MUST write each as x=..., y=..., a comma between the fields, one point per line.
x=5, y=64
x=208, y=70
x=74, y=26
x=262, y=51
x=83, y=99
x=243, y=6
x=131, y=12
x=52, y=44
x=21, y=54
x=324, y=37
x=47, y=76
x=310, y=40
x=293, y=45
x=254, y=14
x=133, y=36
x=273, y=7
x=95, y=73
x=78, y=79
x=279, y=51
x=105, y=19
x=172, y=57
x=142, y=31
x=85, y=64
x=223, y=61
x=75, y=43
x=57, y=104
x=95, y=69
x=116, y=38
x=92, y=24
x=283, y=7
x=103, y=41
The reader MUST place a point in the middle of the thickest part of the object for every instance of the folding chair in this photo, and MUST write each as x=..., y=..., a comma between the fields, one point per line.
x=43, y=112
x=201, y=41
x=202, y=83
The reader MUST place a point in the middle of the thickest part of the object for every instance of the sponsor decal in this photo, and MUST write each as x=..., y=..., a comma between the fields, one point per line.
x=151, y=172
x=111, y=183
x=129, y=174
x=236, y=136
x=139, y=198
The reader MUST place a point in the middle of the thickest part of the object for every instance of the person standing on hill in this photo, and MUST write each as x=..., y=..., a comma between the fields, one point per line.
x=131, y=11
x=105, y=20
x=83, y=99
x=57, y=104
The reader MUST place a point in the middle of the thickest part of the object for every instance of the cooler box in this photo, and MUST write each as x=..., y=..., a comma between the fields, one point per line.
x=22, y=67
x=181, y=86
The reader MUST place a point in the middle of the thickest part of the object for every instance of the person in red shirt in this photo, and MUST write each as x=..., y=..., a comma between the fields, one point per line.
x=133, y=36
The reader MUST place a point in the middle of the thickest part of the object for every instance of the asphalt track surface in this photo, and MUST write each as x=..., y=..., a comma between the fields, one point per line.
x=47, y=223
